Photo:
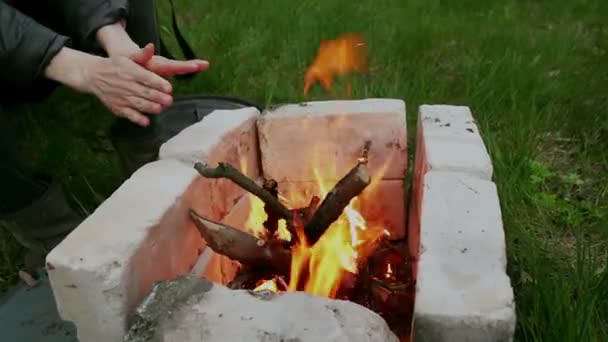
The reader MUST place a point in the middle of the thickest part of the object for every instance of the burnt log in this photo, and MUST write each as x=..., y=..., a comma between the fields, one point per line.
x=272, y=221
x=242, y=247
x=350, y=186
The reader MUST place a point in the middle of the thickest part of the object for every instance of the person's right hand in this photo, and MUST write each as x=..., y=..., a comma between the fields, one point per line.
x=126, y=88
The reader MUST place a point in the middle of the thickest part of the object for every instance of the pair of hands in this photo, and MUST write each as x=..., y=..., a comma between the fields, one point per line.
x=131, y=85
x=131, y=82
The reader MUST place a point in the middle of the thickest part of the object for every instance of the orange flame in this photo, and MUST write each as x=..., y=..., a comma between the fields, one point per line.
x=341, y=56
x=320, y=268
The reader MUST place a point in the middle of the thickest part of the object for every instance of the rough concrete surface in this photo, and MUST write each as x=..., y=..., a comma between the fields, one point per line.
x=463, y=290
x=141, y=234
x=328, y=136
x=452, y=141
x=192, y=309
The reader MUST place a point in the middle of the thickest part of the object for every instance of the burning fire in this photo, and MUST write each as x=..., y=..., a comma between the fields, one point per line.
x=319, y=269
x=341, y=56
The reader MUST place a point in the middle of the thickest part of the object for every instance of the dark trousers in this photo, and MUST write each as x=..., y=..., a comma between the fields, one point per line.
x=20, y=186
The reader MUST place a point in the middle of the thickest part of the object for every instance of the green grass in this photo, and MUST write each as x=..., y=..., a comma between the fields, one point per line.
x=535, y=74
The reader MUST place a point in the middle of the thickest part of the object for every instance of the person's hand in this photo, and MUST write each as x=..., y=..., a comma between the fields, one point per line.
x=166, y=67
x=116, y=42
x=122, y=85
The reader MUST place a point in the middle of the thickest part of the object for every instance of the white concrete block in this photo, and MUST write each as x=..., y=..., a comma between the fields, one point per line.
x=451, y=141
x=214, y=313
x=463, y=291
x=222, y=136
x=140, y=235
x=328, y=136
x=228, y=136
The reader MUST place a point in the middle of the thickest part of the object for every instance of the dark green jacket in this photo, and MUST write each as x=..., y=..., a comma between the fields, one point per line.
x=32, y=32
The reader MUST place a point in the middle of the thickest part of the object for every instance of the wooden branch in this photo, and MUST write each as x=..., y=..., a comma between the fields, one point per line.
x=272, y=222
x=225, y=170
x=350, y=186
x=246, y=278
x=306, y=214
x=242, y=247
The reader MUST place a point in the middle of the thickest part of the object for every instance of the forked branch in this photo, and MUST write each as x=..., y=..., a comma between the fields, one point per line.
x=225, y=170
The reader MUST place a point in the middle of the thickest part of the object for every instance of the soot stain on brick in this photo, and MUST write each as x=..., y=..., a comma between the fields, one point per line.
x=266, y=336
x=337, y=314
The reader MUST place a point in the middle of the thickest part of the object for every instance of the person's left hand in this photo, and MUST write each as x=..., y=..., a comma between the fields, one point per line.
x=165, y=67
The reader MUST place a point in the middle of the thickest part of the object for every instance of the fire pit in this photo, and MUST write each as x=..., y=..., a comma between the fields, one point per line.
x=302, y=200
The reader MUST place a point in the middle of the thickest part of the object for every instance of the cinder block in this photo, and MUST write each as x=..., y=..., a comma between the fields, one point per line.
x=228, y=136
x=463, y=290
x=451, y=141
x=381, y=203
x=222, y=136
x=140, y=235
x=329, y=136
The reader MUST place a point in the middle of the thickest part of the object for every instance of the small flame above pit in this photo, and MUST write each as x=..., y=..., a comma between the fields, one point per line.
x=342, y=56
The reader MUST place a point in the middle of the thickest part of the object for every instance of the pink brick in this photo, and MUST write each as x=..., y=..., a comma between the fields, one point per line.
x=381, y=204
x=228, y=136
x=452, y=141
x=140, y=235
x=447, y=139
x=296, y=139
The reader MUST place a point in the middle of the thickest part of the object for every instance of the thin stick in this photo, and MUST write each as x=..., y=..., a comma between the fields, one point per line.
x=225, y=170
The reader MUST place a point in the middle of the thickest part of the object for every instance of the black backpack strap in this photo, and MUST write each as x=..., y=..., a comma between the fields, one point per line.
x=181, y=41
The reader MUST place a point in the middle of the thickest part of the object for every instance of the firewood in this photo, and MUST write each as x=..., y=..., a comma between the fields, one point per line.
x=242, y=247
x=272, y=222
x=350, y=186
x=246, y=278
x=225, y=170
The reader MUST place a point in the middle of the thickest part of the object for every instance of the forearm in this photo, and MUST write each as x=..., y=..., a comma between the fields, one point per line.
x=69, y=68
x=114, y=40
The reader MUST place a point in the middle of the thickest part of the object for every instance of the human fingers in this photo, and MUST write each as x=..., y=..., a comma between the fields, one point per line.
x=148, y=78
x=144, y=105
x=169, y=68
x=139, y=90
x=143, y=55
x=134, y=116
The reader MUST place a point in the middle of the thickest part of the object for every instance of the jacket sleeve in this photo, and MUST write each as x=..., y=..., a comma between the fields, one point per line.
x=26, y=47
x=85, y=17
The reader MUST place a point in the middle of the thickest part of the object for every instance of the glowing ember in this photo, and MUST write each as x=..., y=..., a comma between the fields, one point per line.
x=389, y=271
x=282, y=232
x=342, y=56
